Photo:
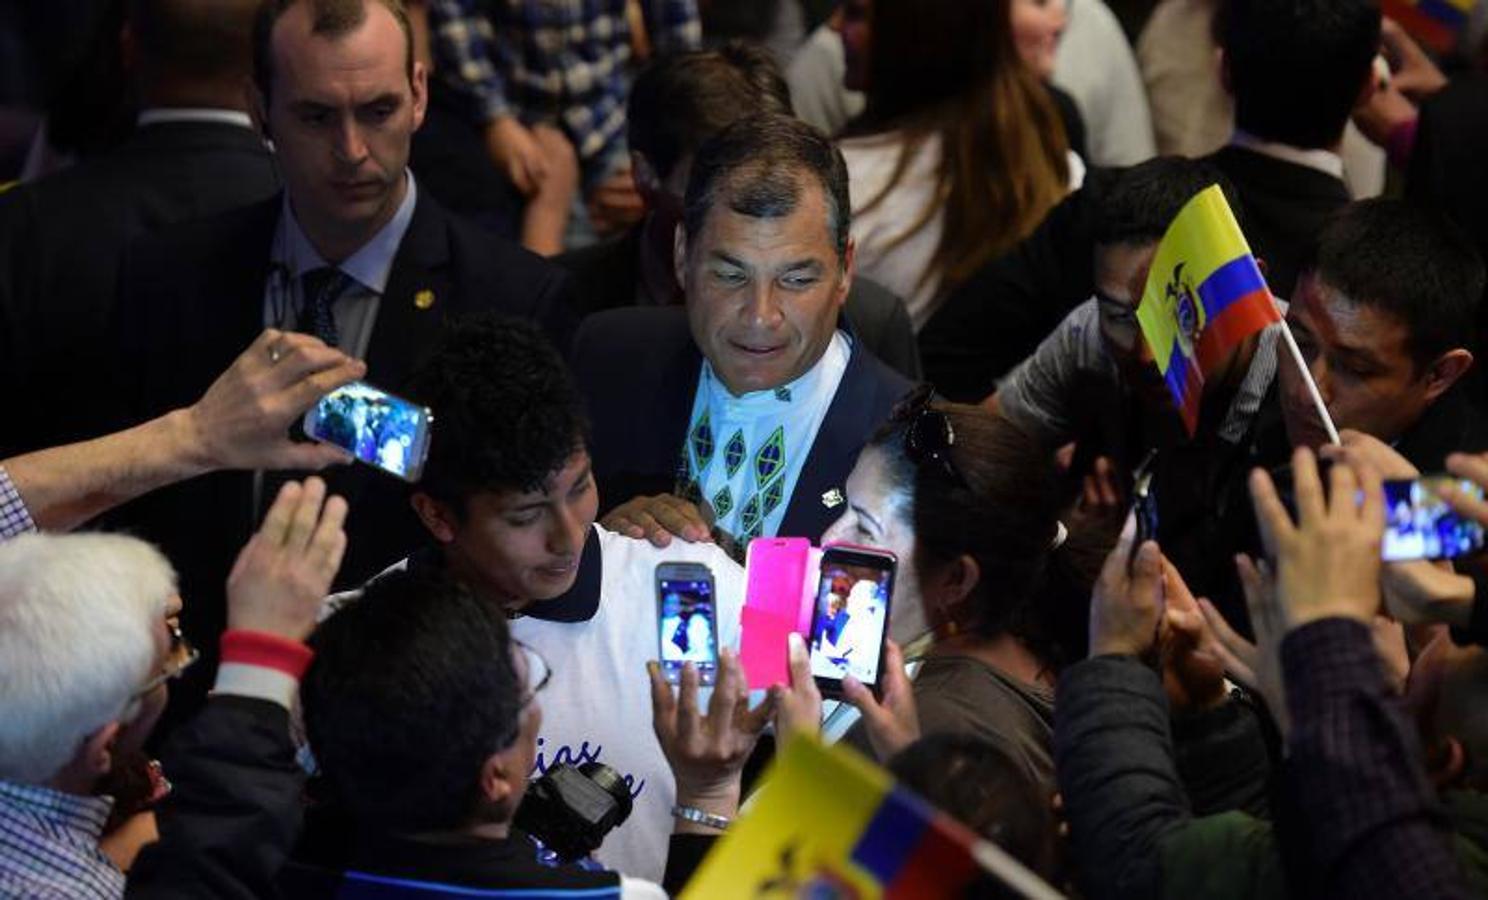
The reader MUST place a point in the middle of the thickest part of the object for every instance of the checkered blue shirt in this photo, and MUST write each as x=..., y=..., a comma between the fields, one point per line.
x=49, y=846
x=561, y=60
x=15, y=518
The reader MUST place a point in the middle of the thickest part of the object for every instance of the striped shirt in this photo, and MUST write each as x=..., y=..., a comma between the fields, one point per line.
x=15, y=518
x=565, y=61
x=49, y=845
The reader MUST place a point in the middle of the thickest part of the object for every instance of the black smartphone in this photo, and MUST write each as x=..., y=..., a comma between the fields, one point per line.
x=377, y=428
x=1420, y=525
x=1144, y=507
x=687, y=620
x=850, y=621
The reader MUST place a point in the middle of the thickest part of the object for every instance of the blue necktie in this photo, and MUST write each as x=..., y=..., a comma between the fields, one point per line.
x=322, y=287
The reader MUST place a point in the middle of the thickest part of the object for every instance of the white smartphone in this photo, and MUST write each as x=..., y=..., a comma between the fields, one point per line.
x=375, y=427
x=687, y=617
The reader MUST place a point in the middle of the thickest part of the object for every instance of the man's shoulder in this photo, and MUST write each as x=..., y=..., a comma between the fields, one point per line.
x=236, y=233
x=630, y=563
x=622, y=553
x=478, y=252
x=633, y=344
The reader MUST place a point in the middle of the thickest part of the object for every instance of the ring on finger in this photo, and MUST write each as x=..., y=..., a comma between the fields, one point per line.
x=275, y=354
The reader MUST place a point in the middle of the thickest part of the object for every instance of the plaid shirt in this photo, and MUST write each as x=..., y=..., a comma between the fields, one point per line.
x=563, y=60
x=15, y=518
x=1372, y=819
x=49, y=845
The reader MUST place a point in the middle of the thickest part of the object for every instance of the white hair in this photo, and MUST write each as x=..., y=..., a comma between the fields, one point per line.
x=78, y=618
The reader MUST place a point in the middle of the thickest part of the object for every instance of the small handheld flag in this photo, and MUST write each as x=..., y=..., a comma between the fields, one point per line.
x=828, y=823
x=1204, y=296
x=1438, y=24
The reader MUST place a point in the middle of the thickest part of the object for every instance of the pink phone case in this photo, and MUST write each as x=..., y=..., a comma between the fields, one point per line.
x=777, y=573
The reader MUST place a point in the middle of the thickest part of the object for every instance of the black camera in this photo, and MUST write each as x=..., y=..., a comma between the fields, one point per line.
x=571, y=810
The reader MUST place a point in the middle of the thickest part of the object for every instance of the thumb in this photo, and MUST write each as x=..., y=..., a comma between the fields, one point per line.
x=313, y=457
x=857, y=693
x=1146, y=586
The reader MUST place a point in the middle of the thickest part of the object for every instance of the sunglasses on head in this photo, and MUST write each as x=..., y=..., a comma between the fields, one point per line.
x=928, y=434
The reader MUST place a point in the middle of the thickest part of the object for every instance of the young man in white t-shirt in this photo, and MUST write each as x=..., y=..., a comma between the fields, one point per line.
x=509, y=499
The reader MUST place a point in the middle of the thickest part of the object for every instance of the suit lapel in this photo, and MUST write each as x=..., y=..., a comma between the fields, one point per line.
x=418, y=299
x=817, y=499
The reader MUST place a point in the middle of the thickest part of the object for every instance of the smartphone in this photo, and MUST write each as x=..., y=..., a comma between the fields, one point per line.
x=375, y=427
x=780, y=587
x=687, y=620
x=850, y=622
x=1420, y=525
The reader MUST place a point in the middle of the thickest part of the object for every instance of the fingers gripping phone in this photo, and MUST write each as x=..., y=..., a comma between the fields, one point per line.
x=1419, y=524
x=687, y=617
x=850, y=624
x=375, y=427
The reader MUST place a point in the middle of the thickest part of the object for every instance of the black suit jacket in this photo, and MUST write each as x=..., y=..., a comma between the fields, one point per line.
x=61, y=239
x=639, y=369
x=235, y=808
x=193, y=300
x=1284, y=207
x=607, y=275
x=997, y=318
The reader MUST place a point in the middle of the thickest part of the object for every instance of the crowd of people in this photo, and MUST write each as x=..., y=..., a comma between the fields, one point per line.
x=640, y=282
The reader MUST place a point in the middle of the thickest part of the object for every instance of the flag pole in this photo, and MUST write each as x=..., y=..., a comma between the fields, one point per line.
x=1312, y=388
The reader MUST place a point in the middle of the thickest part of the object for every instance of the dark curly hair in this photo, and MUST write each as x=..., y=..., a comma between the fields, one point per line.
x=506, y=411
x=443, y=666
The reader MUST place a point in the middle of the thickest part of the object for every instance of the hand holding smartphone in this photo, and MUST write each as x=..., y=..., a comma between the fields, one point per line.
x=687, y=617
x=1419, y=524
x=375, y=427
x=850, y=623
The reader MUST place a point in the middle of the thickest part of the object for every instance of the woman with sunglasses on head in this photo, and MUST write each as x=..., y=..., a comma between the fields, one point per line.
x=992, y=592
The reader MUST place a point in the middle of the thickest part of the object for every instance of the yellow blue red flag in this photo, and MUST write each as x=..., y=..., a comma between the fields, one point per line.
x=1204, y=295
x=1436, y=23
x=827, y=823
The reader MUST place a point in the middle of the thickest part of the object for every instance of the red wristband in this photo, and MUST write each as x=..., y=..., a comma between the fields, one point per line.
x=258, y=648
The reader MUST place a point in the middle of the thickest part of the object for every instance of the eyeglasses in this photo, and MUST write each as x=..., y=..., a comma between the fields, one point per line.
x=178, y=659
x=928, y=435
x=539, y=673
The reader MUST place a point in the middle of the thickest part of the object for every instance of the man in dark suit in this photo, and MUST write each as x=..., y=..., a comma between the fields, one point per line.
x=1296, y=69
x=741, y=414
x=194, y=154
x=351, y=252
x=675, y=105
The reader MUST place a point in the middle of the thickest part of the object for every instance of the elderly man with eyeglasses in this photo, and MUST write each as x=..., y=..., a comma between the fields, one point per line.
x=88, y=644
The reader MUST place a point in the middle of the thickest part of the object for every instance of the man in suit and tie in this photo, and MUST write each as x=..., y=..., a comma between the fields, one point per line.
x=352, y=251
x=676, y=104
x=739, y=414
x=195, y=153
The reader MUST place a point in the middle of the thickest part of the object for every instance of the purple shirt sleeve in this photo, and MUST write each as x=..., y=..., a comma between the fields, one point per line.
x=1374, y=823
x=15, y=518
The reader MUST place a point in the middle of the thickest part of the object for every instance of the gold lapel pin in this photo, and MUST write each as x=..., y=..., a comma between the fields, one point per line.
x=423, y=299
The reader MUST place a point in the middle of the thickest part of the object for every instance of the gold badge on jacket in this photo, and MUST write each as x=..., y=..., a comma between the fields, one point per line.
x=423, y=299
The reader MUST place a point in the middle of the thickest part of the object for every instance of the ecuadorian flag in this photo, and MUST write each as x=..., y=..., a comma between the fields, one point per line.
x=1435, y=23
x=829, y=824
x=1204, y=295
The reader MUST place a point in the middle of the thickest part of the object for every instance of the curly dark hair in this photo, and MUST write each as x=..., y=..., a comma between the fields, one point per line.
x=506, y=411
x=443, y=666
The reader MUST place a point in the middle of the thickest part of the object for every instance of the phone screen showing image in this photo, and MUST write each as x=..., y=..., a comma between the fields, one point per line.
x=688, y=619
x=851, y=618
x=1420, y=525
x=374, y=426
